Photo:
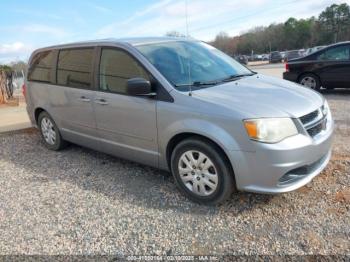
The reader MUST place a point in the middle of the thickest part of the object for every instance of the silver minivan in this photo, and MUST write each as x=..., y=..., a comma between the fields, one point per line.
x=181, y=105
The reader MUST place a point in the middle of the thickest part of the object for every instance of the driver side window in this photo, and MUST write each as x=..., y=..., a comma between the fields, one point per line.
x=116, y=68
x=336, y=53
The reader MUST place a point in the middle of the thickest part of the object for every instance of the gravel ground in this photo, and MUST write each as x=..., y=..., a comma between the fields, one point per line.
x=79, y=201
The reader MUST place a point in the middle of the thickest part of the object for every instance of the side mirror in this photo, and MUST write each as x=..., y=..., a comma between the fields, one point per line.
x=139, y=87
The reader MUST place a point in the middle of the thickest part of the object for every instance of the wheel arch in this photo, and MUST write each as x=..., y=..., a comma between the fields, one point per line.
x=309, y=73
x=176, y=139
x=37, y=112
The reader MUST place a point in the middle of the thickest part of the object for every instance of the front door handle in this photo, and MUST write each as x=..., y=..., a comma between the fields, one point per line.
x=101, y=101
x=84, y=99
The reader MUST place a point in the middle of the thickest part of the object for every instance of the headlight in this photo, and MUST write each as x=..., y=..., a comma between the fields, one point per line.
x=270, y=130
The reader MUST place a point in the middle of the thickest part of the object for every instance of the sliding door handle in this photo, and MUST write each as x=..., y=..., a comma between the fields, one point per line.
x=84, y=99
x=101, y=101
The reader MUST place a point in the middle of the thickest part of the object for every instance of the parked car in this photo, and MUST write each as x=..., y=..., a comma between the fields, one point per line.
x=256, y=57
x=313, y=49
x=293, y=54
x=308, y=51
x=265, y=57
x=259, y=57
x=242, y=59
x=302, y=52
x=183, y=106
x=275, y=57
x=283, y=54
x=328, y=67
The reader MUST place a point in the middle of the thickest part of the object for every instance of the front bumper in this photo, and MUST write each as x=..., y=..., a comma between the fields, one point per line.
x=285, y=166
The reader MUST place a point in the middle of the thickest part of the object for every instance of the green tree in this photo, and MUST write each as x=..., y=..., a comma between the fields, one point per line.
x=335, y=22
x=5, y=68
x=290, y=33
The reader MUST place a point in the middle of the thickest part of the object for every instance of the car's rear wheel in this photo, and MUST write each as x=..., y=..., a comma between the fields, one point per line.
x=311, y=81
x=201, y=171
x=50, y=133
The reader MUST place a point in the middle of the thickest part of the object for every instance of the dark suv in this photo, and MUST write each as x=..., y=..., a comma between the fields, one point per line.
x=275, y=57
x=242, y=59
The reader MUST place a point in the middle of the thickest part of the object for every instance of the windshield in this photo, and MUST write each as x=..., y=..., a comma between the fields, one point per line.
x=196, y=64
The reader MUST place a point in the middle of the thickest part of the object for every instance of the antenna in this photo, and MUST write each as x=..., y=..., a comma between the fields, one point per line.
x=189, y=62
x=186, y=5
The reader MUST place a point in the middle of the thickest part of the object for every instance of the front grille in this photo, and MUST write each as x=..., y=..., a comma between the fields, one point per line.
x=309, y=117
x=314, y=122
x=316, y=129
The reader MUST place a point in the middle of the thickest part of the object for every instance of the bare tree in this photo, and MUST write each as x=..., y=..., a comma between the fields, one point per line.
x=3, y=79
x=18, y=67
x=225, y=43
x=174, y=34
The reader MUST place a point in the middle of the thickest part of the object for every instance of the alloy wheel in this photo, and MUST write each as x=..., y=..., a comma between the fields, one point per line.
x=309, y=81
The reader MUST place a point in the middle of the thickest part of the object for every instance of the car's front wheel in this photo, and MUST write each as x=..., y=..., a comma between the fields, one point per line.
x=201, y=171
x=311, y=81
x=50, y=133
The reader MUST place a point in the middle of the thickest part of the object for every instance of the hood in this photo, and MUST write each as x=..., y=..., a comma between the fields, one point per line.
x=262, y=96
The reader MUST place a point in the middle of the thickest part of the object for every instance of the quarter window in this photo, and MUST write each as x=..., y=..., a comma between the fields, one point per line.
x=335, y=53
x=74, y=68
x=40, y=67
x=116, y=68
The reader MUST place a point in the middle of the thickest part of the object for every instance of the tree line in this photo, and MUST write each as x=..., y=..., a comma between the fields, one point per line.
x=332, y=25
x=15, y=67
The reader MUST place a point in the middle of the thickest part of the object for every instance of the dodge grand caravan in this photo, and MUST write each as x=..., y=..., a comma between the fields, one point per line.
x=181, y=105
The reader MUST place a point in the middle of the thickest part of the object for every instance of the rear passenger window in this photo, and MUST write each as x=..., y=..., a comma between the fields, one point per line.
x=40, y=67
x=116, y=67
x=335, y=53
x=74, y=68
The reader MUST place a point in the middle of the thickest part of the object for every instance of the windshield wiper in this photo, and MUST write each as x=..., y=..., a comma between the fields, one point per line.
x=199, y=83
x=235, y=77
x=210, y=83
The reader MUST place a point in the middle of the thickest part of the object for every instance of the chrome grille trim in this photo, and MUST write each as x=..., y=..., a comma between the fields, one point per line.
x=314, y=122
x=309, y=117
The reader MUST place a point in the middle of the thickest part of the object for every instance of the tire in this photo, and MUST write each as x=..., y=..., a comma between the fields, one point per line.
x=49, y=132
x=209, y=182
x=311, y=81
